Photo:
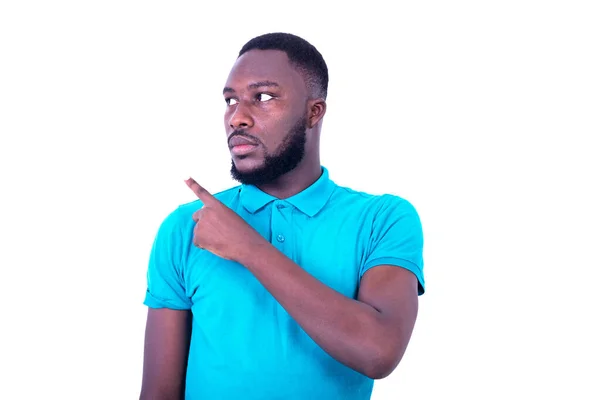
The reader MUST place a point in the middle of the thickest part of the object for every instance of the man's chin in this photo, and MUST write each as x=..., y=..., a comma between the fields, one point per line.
x=247, y=167
x=247, y=174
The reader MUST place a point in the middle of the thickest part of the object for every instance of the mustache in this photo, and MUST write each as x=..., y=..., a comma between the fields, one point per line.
x=242, y=133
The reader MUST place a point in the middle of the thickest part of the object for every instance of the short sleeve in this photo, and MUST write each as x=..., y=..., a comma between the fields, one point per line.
x=165, y=278
x=396, y=238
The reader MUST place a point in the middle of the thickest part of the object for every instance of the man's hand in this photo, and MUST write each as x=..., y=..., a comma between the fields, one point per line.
x=220, y=230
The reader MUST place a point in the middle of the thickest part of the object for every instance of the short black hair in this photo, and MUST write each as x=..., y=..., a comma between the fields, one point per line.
x=302, y=55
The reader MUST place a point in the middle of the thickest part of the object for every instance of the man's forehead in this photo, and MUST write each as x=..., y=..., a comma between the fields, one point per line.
x=261, y=65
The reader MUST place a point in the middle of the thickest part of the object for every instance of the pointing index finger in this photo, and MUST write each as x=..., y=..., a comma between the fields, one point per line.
x=202, y=193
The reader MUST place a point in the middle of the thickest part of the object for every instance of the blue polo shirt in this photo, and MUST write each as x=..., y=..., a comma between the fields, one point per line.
x=244, y=344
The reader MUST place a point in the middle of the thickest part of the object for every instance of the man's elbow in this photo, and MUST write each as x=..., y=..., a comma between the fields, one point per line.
x=384, y=362
x=380, y=369
x=162, y=393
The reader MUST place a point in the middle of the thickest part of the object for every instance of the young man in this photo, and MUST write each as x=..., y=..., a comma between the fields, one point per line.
x=287, y=286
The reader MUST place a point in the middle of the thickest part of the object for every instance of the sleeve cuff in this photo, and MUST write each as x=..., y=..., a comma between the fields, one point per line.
x=398, y=262
x=155, y=302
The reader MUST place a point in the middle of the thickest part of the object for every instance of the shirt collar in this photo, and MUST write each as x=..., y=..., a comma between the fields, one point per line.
x=309, y=201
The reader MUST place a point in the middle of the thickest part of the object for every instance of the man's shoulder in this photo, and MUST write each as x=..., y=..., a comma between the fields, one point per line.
x=362, y=199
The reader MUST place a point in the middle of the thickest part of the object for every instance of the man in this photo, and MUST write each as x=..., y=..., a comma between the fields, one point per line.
x=287, y=286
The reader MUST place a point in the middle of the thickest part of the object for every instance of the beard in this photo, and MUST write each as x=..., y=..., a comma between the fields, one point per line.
x=283, y=160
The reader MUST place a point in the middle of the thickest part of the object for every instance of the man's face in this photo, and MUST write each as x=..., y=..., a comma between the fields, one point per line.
x=266, y=116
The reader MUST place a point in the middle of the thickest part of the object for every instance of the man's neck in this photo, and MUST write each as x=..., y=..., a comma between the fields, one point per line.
x=294, y=181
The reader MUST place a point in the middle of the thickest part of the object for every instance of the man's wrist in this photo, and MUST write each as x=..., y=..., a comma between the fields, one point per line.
x=254, y=252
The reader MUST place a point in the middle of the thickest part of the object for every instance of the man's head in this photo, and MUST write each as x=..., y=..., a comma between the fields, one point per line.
x=275, y=96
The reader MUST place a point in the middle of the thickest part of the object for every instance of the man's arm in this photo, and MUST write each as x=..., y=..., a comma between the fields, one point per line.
x=166, y=350
x=369, y=335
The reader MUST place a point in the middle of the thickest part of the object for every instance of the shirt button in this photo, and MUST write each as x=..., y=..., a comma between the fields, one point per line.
x=280, y=238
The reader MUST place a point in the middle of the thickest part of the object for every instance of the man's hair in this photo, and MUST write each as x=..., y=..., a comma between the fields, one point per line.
x=302, y=55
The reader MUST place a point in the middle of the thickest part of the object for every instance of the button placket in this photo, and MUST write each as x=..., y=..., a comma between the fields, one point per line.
x=280, y=225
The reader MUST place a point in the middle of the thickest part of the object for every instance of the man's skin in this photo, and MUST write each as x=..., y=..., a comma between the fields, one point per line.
x=369, y=334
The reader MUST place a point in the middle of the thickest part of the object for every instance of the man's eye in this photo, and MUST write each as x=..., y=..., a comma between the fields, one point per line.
x=230, y=102
x=263, y=97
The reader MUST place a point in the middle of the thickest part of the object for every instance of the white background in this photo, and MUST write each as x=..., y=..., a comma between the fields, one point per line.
x=485, y=115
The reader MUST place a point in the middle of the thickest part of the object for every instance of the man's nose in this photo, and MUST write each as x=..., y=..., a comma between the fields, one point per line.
x=241, y=117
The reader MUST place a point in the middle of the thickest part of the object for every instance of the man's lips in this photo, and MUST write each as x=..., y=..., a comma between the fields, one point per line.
x=240, y=145
x=243, y=149
x=241, y=141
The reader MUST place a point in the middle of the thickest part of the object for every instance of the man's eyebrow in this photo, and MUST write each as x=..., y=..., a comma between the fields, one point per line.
x=253, y=85
x=256, y=85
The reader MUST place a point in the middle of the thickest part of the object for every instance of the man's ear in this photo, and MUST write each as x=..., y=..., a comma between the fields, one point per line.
x=316, y=111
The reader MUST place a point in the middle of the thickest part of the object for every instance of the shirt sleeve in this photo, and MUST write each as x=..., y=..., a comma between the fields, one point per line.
x=396, y=238
x=165, y=278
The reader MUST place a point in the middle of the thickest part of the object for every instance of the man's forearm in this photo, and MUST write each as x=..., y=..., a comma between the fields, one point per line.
x=352, y=332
